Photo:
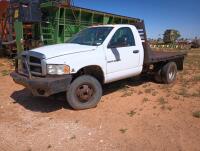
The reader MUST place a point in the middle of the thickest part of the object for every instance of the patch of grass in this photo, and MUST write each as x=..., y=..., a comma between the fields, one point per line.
x=196, y=94
x=146, y=100
x=185, y=83
x=123, y=130
x=196, y=114
x=49, y=146
x=185, y=72
x=144, y=86
x=131, y=113
x=176, y=97
x=197, y=78
x=164, y=86
x=5, y=72
x=127, y=93
x=50, y=118
x=183, y=92
x=169, y=108
x=73, y=137
x=181, y=77
x=162, y=101
x=154, y=93
x=147, y=90
x=76, y=121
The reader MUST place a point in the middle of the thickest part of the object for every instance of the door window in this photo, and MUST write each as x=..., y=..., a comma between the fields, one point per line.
x=122, y=38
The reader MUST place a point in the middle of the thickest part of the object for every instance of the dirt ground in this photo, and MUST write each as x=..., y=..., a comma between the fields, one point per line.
x=134, y=115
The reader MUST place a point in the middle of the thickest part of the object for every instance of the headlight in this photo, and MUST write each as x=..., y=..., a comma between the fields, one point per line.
x=58, y=69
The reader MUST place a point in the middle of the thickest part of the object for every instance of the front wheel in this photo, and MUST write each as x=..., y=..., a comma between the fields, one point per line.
x=84, y=92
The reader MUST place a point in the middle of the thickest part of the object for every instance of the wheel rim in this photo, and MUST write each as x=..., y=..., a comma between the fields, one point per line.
x=85, y=92
x=172, y=73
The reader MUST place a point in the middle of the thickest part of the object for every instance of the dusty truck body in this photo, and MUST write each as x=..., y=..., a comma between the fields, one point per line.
x=97, y=55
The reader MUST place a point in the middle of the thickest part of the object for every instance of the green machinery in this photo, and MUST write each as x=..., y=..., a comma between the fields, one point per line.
x=60, y=22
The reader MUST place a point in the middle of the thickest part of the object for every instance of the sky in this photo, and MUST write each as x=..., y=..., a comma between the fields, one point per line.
x=159, y=15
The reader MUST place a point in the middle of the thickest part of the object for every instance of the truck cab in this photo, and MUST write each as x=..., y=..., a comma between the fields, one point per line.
x=95, y=56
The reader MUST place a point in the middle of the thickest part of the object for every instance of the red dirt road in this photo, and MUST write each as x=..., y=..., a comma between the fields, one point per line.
x=133, y=115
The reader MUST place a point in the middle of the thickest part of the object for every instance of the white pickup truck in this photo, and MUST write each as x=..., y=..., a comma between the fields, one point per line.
x=95, y=56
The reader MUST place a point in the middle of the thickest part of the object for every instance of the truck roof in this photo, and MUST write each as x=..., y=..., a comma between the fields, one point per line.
x=114, y=25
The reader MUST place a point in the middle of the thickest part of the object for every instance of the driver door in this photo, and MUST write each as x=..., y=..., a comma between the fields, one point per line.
x=122, y=53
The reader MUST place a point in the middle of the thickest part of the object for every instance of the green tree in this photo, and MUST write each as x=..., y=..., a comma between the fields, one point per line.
x=171, y=35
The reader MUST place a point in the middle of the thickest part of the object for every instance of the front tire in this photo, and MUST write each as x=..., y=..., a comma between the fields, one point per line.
x=84, y=92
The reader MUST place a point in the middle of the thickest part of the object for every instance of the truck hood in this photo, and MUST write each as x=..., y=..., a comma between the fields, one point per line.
x=57, y=50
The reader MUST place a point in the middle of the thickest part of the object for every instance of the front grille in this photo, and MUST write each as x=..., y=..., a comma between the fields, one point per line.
x=35, y=60
x=35, y=65
x=36, y=69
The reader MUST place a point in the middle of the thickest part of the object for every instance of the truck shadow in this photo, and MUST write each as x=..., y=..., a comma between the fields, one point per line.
x=58, y=101
x=40, y=104
x=133, y=82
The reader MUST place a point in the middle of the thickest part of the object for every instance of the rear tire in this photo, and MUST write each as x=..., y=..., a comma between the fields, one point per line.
x=169, y=72
x=84, y=92
x=157, y=76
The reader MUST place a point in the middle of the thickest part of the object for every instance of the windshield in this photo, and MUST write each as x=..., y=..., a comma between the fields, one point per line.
x=94, y=36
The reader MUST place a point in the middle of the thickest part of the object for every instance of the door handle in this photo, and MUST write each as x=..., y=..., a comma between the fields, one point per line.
x=136, y=51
